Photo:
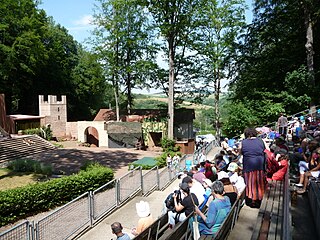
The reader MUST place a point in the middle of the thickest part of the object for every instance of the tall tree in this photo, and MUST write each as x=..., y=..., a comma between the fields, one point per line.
x=174, y=18
x=124, y=41
x=272, y=47
x=219, y=25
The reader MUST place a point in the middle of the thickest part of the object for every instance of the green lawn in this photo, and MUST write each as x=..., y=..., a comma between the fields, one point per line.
x=10, y=180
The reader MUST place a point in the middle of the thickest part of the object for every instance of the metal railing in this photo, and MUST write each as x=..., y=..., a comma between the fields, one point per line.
x=83, y=212
x=21, y=231
x=204, y=150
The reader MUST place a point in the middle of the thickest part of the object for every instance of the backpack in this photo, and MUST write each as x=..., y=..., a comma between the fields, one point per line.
x=169, y=202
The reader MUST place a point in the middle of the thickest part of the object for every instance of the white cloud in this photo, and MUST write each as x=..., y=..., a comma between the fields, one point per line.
x=84, y=21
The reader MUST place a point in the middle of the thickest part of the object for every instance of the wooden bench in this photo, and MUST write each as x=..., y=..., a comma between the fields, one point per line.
x=274, y=218
x=314, y=199
x=229, y=222
x=183, y=230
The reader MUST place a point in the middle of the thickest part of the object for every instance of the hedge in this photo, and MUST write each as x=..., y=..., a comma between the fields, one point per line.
x=24, y=201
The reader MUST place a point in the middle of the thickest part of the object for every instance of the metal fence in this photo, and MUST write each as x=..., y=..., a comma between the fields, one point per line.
x=22, y=232
x=83, y=212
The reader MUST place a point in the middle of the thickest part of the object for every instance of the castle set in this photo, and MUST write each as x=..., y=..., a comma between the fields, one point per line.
x=143, y=125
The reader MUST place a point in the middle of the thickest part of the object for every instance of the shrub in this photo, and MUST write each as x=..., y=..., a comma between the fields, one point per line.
x=168, y=145
x=21, y=202
x=29, y=165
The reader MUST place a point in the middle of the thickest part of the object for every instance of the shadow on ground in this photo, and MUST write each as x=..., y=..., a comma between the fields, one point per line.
x=70, y=160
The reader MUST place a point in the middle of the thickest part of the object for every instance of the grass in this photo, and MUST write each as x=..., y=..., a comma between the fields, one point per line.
x=10, y=179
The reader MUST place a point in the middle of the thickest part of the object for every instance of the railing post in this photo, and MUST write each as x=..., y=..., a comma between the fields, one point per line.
x=158, y=178
x=141, y=180
x=118, y=192
x=91, y=208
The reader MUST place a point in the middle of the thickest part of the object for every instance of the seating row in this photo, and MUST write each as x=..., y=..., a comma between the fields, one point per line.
x=20, y=147
x=183, y=230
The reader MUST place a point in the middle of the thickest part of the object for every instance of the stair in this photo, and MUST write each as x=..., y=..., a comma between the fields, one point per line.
x=22, y=147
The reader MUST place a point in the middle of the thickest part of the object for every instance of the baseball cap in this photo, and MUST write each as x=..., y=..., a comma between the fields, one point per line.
x=232, y=167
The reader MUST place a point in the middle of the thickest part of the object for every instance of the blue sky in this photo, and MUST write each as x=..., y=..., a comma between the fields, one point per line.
x=75, y=15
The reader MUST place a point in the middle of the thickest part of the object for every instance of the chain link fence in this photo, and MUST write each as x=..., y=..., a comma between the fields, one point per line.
x=21, y=232
x=84, y=211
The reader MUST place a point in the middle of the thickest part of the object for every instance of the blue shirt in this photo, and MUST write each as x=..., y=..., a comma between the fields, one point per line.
x=217, y=212
x=124, y=237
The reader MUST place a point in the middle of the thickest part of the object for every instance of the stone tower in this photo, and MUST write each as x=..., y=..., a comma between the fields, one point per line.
x=55, y=113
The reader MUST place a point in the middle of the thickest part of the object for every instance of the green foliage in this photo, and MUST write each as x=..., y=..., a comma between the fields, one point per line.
x=238, y=119
x=168, y=145
x=162, y=159
x=44, y=132
x=29, y=165
x=21, y=202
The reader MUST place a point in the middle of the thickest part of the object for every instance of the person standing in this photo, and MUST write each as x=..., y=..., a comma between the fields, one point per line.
x=252, y=150
x=169, y=161
x=117, y=230
x=283, y=125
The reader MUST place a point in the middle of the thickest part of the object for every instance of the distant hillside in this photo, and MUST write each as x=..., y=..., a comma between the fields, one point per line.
x=160, y=101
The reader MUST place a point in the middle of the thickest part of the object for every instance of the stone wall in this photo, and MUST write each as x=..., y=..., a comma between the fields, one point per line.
x=72, y=130
x=55, y=113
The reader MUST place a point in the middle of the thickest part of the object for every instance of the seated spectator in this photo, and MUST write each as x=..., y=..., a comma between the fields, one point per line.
x=310, y=167
x=229, y=190
x=195, y=187
x=207, y=184
x=217, y=211
x=236, y=180
x=199, y=176
x=224, y=144
x=183, y=209
x=117, y=230
x=272, y=163
x=313, y=172
x=143, y=211
x=208, y=171
x=283, y=167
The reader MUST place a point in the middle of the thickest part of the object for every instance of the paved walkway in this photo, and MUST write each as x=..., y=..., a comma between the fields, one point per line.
x=127, y=215
x=129, y=219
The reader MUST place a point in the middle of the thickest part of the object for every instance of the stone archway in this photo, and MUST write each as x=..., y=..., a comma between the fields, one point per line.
x=83, y=132
x=92, y=136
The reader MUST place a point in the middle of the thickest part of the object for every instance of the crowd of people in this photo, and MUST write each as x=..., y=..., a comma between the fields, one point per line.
x=244, y=165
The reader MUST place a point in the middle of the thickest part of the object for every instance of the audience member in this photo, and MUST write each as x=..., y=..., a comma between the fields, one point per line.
x=117, y=230
x=196, y=188
x=217, y=211
x=143, y=211
x=235, y=178
x=309, y=169
x=183, y=209
x=282, y=124
x=252, y=149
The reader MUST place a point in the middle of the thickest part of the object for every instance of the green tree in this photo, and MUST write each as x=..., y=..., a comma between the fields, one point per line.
x=272, y=48
x=219, y=25
x=91, y=90
x=124, y=41
x=174, y=19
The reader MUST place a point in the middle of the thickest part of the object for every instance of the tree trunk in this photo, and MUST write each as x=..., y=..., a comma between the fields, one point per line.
x=309, y=50
x=216, y=102
x=171, y=91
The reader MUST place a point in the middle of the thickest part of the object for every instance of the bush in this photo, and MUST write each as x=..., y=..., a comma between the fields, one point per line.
x=29, y=165
x=21, y=202
x=168, y=146
x=44, y=132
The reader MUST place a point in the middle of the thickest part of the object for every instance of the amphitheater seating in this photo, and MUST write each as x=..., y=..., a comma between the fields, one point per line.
x=23, y=146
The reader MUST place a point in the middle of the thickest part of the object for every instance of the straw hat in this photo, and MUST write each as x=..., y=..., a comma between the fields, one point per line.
x=143, y=209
